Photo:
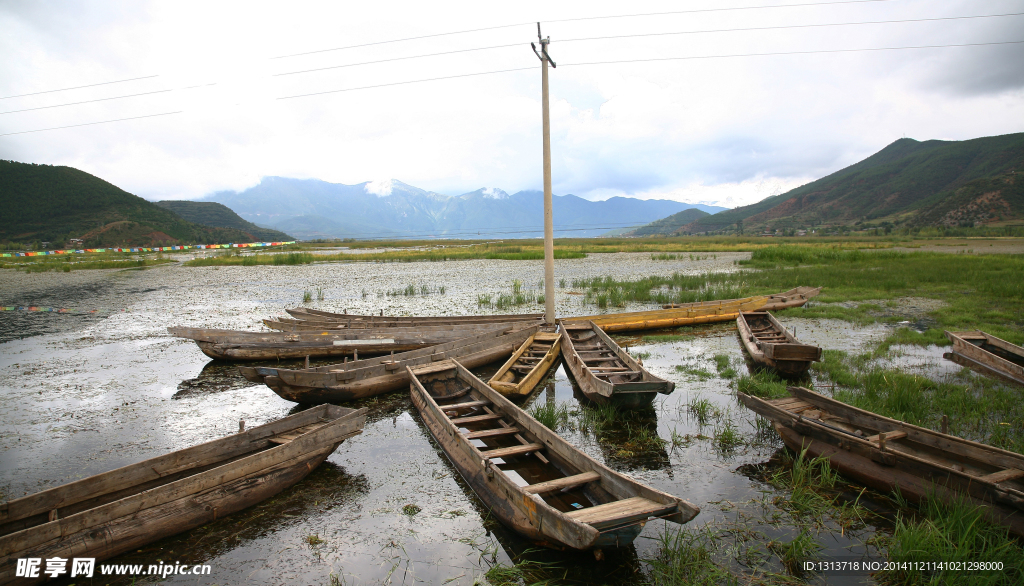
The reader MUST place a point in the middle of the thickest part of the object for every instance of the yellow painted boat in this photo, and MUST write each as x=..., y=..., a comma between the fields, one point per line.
x=528, y=365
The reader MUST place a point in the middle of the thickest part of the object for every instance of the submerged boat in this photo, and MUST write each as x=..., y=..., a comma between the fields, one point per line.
x=988, y=354
x=365, y=378
x=568, y=501
x=235, y=345
x=104, y=515
x=528, y=365
x=885, y=453
x=769, y=343
x=604, y=372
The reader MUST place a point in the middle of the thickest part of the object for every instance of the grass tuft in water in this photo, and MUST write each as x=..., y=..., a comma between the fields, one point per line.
x=703, y=410
x=684, y=556
x=763, y=384
x=793, y=553
x=694, y=372
x=551, y=415
x=726, y=438
x=411, y=510
x=723, y=367
x=307, y=296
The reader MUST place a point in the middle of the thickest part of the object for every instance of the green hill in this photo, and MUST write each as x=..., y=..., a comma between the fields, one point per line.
x=216, y=215
x=670, y=225
x=908, y=182
x=55, y=203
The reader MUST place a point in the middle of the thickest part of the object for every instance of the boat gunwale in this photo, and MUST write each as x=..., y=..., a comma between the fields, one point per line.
x=530, y=379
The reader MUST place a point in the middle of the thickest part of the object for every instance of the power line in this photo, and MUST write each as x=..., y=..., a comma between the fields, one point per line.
x=822, y=51
x=85, y=102
x=79, y=87
x=792, y=26
x=475, y=30
x=398, y=59
x=92, y=123
x=700, y=10
x=366, y=87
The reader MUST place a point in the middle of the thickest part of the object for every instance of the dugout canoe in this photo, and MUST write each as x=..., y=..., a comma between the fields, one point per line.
x=770, y=344
x=570, y=502
x=235, y=345
x=307, y=314
x=988, y=354
x=793, y=298
x=528, y=365
x=604, y=372
x=885, y=453
x=107, y=514
x=700, y=312
x=294, y=325
x=358, y=379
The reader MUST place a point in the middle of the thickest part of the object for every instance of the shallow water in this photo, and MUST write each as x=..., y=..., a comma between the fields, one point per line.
x=86, y=393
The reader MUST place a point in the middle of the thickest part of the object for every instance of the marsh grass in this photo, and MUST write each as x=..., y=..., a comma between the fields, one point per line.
x=726, y=438
x=68, y=264
x=794, y=552
x=258, y=259
x=952, y=530
x=703, y=410
x=307, y=296
x=552, y=416
x=662, y=338
x=694, y=372
x=684, y=555
x=763, y=384
x=722, y=365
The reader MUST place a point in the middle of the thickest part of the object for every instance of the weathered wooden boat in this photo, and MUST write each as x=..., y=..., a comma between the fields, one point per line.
x=234, y=345
x=793, y=298
x=104, y=515
x=283, y=325
x=570, y=501
x=885, y=453
x=988, y=354
x=365, y=378
x=308, y=314
x=604, y=372
x=769, y=343
x=528, y=365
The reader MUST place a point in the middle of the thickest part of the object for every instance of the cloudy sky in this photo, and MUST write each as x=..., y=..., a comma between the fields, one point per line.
x=672, y=119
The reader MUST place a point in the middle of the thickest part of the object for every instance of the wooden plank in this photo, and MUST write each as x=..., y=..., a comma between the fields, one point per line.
x=568, y=482
x=512, y=451
x=1003, y=475
x=476, y=418
x=889, y=436
x=466, y=405
x=616, y=510
x=492, y=432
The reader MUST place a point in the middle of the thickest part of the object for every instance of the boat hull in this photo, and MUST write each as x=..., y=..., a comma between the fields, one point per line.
x=169, y=494
x=988, y=354
x=503, y=380
x=788, y=357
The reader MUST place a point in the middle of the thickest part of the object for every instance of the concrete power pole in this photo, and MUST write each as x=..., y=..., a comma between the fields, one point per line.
x=549, y=231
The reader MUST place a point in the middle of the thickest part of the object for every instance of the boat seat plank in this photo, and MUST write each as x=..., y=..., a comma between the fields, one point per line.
x=566, y=483
x=889, y=436
x=1003, y=475
x=466, y=405
x=476, y=418
x=609, y=368
x=512, y=451
x=619, y=510
x=492, y=432
x=617, y=373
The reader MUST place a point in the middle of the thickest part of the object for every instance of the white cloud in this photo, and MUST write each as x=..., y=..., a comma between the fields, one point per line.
x=705, y=129
x=380, y=188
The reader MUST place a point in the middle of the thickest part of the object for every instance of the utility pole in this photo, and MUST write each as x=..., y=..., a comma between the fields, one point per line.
x=549, y=231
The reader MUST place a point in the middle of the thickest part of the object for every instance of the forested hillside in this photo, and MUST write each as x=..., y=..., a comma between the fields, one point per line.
x=55, y=203
x=208, y=213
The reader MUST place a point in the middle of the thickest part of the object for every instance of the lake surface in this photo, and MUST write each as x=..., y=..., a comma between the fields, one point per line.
x=103, y=385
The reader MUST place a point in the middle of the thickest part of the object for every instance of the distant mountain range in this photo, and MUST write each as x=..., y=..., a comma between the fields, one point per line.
x=208, y=213
x=908, y=183
x=310, y=208
x=53, y=203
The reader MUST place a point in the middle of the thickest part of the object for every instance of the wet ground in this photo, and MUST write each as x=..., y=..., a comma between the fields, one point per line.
x=83, y=393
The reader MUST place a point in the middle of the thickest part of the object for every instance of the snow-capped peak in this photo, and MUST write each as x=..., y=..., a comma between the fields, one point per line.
x=493, y=193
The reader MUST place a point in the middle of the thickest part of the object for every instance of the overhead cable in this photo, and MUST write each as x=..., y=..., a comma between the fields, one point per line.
x=79, y=87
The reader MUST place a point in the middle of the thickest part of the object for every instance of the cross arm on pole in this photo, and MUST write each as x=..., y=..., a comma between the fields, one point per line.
x=543, y=54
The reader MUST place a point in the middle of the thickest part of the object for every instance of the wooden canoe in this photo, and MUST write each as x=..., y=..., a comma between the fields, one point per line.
x=988, y=354
x=104, y=515
x=604, y=372
x=528, y=365
x=365, y=378
x=294, y=325
x=885, y=453
x=769, y=343
x=570, y=502
x=235, y=345
x=792, y=298
x=304, y=313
